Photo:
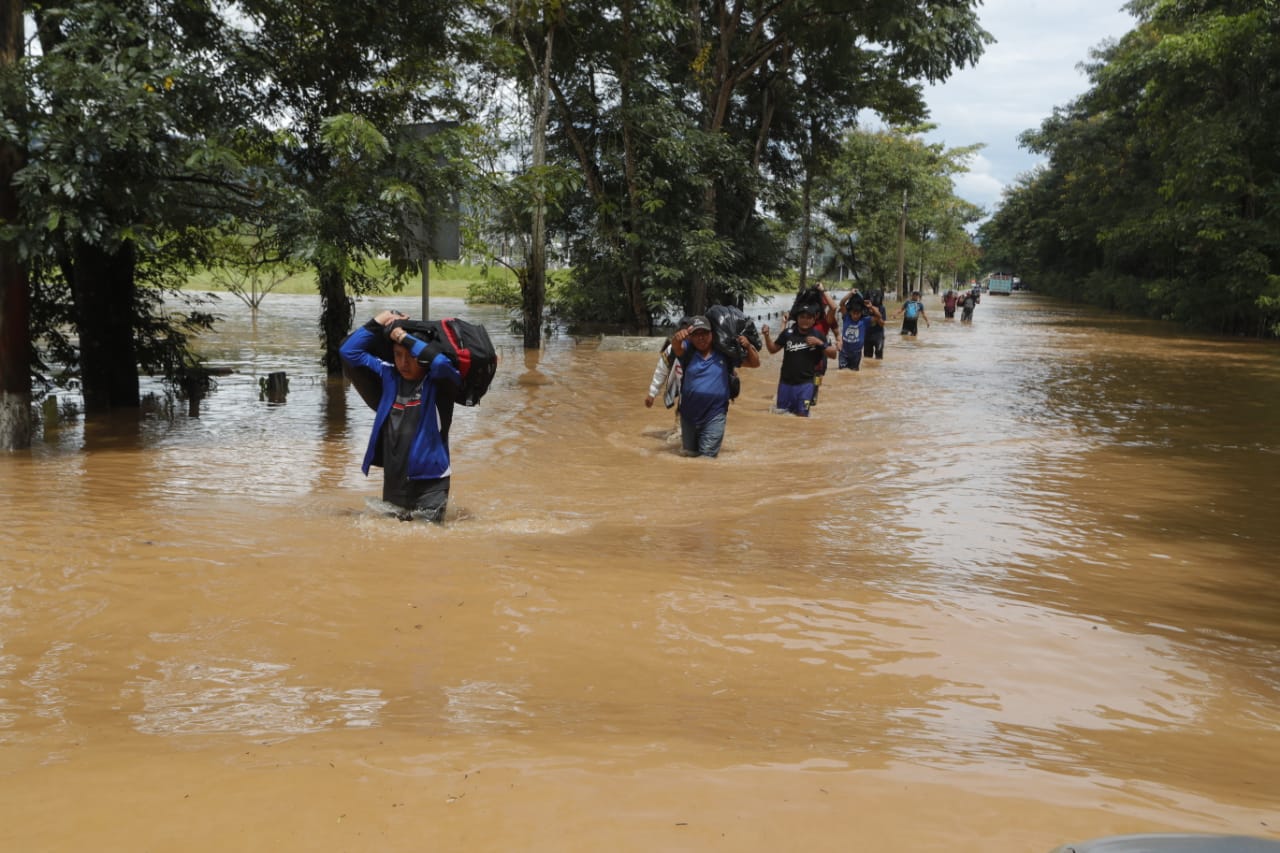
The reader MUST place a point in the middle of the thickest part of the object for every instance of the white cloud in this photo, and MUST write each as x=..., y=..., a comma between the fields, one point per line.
x=1032, y=68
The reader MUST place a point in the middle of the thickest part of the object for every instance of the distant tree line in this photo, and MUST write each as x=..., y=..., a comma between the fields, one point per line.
x=1161, y=193
x=674, y=150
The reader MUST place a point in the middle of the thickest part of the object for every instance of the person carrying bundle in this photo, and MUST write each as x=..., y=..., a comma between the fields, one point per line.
x=706, y=385
x=804, y=349
x=410, y=437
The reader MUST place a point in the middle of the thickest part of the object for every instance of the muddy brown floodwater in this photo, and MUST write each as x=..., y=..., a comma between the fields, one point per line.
x=1014, y=586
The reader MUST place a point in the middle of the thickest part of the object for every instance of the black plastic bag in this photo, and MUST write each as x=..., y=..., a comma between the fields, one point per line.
x=728, y=323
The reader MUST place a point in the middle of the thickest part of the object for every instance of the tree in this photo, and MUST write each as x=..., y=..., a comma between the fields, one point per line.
x=248, y=263
x=1160, y=191
x=740, y=42
x=685, y=219
x=886, y=185
x=342, y=77
x=124, y=118
x=15, y=339
x=532, y=28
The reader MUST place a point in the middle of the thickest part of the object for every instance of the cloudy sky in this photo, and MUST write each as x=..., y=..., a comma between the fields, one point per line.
x=1030, y=69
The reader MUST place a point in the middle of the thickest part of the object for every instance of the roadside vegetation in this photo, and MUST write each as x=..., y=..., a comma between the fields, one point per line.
x=1161, y=191
x=494, y=285
x=622, y=161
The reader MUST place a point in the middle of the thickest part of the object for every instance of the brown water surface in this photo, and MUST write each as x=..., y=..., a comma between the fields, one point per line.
x=1013, y=586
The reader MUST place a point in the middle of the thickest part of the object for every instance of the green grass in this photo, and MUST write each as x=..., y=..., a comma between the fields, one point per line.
x=450, y=280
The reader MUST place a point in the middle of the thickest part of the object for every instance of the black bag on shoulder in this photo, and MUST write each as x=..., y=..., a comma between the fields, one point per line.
x=468, y=348
x=729, y=322
x=466, y=345
x=811, y=297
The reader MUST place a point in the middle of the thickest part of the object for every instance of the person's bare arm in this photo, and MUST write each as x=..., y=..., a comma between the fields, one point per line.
x=677, y=342
x=768, y=341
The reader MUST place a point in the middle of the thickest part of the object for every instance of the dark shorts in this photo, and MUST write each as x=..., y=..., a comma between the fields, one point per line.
x=851, y=361
x=795, y=399
x=909, y=326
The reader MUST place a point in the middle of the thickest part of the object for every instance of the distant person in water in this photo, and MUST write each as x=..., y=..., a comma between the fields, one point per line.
x=804, y=348
x=874, y=346
x=949, y=300
x=912, y=312
x=410, y=437
x=704, y=388
x=859, y=315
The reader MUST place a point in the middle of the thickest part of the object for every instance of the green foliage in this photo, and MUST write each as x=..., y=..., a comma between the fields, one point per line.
x=247, y=264
x=167, y=137
x=496, y=289
x=127, y=123
x=690, y=124
x=1162, y=191
x=876, y=179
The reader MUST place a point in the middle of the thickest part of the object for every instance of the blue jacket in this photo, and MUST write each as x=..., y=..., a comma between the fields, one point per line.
x=429, y=455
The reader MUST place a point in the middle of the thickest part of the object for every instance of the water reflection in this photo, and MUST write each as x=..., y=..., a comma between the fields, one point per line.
x=247, y=698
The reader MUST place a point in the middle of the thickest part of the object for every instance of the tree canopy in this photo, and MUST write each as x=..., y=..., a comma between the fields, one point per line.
x=680, y=147
x=1161, y=193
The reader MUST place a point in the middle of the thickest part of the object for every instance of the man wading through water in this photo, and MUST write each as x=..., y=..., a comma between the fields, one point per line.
x=410, y=438
x=704, y=392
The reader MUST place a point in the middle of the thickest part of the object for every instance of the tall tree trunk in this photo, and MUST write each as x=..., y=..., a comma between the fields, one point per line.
x=336, y=309
x=901, y=285
x=806, y=225
x=535, y=283
x=632, y=276
x=103, y=287
x=15, y=333
x=734, y=24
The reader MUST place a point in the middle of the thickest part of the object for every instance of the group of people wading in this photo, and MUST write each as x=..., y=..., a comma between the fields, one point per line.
x=412, y=383
x=966, y=300
x=697, y=370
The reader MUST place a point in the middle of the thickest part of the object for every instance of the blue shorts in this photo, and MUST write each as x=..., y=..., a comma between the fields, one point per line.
x=795, y=399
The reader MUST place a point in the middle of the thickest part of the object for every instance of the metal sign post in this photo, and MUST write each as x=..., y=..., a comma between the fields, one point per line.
x=437, y=240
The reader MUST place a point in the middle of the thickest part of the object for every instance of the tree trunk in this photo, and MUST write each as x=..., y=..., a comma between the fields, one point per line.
x=336, y=309
x=103, y=287
x=535, y=283
x=806, y=213
x=901, y=284
x=632, y=275
x=15, y=330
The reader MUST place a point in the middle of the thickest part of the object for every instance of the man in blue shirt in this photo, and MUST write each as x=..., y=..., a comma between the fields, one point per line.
x=704, y=392
x=911, y=312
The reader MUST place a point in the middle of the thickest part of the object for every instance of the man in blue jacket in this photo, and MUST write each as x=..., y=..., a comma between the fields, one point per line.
x=410, y=438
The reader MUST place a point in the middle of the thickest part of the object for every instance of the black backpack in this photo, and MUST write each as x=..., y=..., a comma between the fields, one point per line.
x=466, y=345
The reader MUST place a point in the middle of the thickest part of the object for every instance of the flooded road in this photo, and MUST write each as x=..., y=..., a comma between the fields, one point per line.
x=1015, y=585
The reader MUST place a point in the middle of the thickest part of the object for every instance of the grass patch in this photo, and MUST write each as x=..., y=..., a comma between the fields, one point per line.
x=449, y=280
